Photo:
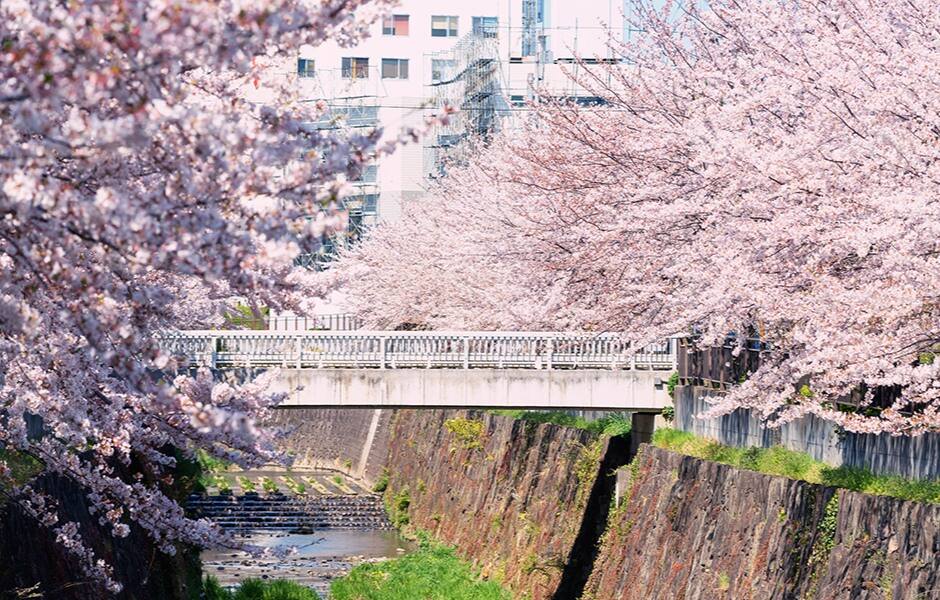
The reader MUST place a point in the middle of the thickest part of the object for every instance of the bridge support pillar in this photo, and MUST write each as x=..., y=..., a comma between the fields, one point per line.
x=641, y=431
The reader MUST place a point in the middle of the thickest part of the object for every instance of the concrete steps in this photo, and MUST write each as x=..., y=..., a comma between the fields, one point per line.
x=291, y=513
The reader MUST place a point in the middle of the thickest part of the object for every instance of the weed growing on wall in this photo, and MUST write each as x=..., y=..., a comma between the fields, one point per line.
x=397, y=506
x=611, y=425
x=468, y=432
x=825, y=541
x=585, y=469
x=671, y=383
x=381, y=483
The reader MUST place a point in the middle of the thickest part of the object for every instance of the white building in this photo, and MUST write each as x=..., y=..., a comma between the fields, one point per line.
x=486, y=56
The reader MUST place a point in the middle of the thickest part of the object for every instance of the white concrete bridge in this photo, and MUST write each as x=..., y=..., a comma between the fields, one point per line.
x=433, y=368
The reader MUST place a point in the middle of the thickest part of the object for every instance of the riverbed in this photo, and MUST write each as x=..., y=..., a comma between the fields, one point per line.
x=318, y=556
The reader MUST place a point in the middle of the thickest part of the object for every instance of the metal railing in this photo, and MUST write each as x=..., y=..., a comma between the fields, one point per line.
x=415, y=349
x=331, y=322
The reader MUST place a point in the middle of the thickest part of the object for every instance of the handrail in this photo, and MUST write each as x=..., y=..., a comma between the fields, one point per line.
x=415, y=349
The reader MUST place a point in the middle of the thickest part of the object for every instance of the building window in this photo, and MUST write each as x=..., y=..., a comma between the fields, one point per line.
x=366, y=204
x=394, y=68
x=485, y=26
x=443, y=26
x=355, y=68
x=306, y=67
x=395, y=25
x=367, y=174
x=442, y=69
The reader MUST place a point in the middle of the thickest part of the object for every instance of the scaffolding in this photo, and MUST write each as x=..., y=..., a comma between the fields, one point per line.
x=469, y=77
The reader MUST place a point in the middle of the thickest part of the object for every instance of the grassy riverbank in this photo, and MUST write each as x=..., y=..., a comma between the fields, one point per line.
x=431, y=573
x=612, y=424
x=255, y=589
x=797, y=465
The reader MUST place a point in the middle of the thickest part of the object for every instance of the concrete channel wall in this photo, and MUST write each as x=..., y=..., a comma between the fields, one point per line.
x=352, y=440
x=915, y=457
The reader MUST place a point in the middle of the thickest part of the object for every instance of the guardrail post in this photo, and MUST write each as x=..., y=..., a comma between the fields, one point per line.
x=549, y=350
x=466, y=352
x=299, y=349
x=213, y=354
x=382, y=352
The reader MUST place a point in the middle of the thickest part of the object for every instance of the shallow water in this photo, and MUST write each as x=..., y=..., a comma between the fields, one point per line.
x=319, y=558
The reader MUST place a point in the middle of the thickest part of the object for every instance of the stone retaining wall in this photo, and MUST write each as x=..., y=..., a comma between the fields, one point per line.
x=512, y=499
x=689, y=528
x=31, y=556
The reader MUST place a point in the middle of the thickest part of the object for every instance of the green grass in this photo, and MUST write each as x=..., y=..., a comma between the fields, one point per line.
x=222, y=484
x=431, y=573
x=298, y=487
x=268, y=485
x=209, y=466
x=612, y=425
x=255, y=589
x=246, y=484
x=798, y=465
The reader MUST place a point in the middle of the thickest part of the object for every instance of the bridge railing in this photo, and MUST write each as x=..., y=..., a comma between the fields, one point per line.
x=415, y=349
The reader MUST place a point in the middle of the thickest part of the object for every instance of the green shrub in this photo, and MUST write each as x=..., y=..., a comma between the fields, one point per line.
x=431, y=573
x=222, y=484
x=398, y=508
x=278, y=589
x=669, y=413
x=672, y=383
x=208, y=467
x=612, y=425
x=469, y=432
x=212, y=590
x=381, y=484
x=782, y=462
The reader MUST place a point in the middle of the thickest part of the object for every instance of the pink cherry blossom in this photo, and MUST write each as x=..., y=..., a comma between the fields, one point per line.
x=146, y=183
x=758, y=167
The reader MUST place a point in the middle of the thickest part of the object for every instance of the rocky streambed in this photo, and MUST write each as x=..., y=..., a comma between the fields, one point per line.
x=329, y=527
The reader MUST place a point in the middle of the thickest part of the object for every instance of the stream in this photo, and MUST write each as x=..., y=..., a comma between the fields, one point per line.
x=333, y=525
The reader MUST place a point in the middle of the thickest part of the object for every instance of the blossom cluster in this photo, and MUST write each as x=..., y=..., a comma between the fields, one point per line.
x=761, y=168
x=145, y=185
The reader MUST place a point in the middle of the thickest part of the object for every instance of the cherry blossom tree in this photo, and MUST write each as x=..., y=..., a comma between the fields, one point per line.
x=145, y=181
x=758, y=167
